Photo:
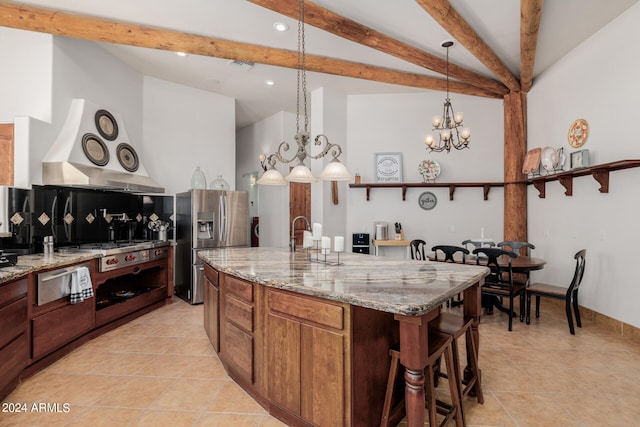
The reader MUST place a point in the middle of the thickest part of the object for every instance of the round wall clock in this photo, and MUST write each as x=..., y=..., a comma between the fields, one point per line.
x=95, y=149
x=427, y=200
x=128, y=157
x=106, y=125
x=578, y=133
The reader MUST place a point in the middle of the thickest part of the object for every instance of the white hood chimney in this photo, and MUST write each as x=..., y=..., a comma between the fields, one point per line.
x=93, y=150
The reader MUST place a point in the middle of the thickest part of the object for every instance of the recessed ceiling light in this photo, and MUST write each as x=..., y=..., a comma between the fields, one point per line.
x=280, y=26
x=181, y=54
x=269, y=82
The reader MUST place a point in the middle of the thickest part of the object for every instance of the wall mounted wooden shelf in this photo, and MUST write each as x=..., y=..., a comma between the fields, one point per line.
x=599, y=172
x=486, y=186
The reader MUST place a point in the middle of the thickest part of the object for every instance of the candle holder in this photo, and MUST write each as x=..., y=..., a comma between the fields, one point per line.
x=324, y=260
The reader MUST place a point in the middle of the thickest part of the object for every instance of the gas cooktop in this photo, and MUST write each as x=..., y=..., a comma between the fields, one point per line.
x=117, y=247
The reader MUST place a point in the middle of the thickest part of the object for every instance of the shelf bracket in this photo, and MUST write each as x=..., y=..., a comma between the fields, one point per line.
x=404, y=193
x=567, y=183
x=452, y=189
x=602, y=176
x=368, y=192
x=540, y=186
x=486, y=188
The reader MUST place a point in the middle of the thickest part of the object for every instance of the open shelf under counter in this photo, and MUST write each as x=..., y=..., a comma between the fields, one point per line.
x=486, y=186
x=599, y=172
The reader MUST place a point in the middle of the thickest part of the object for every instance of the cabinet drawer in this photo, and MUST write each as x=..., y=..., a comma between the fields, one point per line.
x=305, y=309
x=241, y=289
x=12, y=291
x=239, y=313
x=239, y=351
x=13, y=359
x=13, y=320
x=61, y=326
x=212, y=275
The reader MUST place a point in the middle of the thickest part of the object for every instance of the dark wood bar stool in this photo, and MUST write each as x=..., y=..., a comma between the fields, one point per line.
x=440, y=345
x=456, y=326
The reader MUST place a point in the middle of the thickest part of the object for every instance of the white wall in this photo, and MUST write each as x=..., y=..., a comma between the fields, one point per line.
x=398, y=123
x=185, y=128
x=329, y=114
x=25, y=76
x=264, y=137
x=597, y=81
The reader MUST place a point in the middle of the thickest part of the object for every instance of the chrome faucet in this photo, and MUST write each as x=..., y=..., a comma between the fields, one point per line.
x=292, y=243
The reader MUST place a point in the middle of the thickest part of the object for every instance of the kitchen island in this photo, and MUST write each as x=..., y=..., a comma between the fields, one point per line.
x=310, y=341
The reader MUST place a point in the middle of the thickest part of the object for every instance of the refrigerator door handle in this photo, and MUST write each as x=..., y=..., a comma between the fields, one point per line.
x=221, y=219
x=225, y=220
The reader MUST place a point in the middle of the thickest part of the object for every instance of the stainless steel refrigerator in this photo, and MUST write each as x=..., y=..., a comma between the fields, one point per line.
x=206, y=219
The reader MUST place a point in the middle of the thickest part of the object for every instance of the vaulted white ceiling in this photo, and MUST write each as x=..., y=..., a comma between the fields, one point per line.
x=564, y=24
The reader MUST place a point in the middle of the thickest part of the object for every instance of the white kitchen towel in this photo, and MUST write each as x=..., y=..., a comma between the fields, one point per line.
x=81, y=287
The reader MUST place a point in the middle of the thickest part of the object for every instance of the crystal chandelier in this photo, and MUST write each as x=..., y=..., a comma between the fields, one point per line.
x=448, y=126
x=335, y=170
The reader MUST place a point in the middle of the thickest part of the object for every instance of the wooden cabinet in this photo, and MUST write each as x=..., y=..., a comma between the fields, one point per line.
x=237, y=327
x=60, y=326
x=307, y=360
x=212, y=306
x=307, y=348
x=14, y=344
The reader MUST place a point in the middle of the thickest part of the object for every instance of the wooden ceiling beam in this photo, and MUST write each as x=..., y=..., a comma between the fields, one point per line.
x=346, y=28
x=530, y=13
x=451, y=21
x=50, y=21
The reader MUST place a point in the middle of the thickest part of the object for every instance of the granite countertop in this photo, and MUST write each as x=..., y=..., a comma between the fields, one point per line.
x=397, y=286
x=34, y=263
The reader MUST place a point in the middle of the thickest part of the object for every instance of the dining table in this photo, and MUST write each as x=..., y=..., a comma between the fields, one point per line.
x=522, y=264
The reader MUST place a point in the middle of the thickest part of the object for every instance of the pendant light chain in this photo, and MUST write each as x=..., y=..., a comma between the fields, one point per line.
x=301, y=75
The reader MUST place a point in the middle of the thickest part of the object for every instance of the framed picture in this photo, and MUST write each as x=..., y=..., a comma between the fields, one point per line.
x=388, y=167
x=580, y=159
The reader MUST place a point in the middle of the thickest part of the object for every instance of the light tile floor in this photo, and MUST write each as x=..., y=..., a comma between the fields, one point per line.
x=160, y=370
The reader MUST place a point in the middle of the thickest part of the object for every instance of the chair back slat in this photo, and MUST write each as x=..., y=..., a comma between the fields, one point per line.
x=500, y=274
x=449, y=251
x=417, y=249
x=579, y=272
x=516, y=246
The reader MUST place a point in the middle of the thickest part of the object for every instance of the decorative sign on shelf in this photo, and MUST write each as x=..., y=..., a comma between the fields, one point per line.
x=388, y=167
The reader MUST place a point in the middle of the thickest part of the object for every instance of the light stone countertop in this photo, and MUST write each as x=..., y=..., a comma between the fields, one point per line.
x=392, y=285
x=37, y=262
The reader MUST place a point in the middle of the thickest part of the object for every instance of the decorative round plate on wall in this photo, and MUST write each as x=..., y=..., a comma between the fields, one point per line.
x=95, y=149
x=127, y=157
x=427, y=200
x=578, y=133
x=106, y=125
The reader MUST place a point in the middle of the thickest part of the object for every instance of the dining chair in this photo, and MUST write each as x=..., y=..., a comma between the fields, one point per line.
x=499, y=283
x=570, y=294
x=515, y=246
x=417, y=249
x=476, y=243
x=448, y=252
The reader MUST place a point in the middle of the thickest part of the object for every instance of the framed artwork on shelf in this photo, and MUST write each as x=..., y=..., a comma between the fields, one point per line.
x=579, y=159
x=387, y=167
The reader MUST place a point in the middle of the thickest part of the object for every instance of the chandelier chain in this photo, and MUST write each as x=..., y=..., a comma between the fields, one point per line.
x=301, y=73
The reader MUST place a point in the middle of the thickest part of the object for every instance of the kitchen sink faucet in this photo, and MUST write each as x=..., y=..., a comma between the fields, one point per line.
x=292, y=244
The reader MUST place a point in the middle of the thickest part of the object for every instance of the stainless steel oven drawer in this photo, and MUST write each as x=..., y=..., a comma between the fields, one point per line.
x=56, y=284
